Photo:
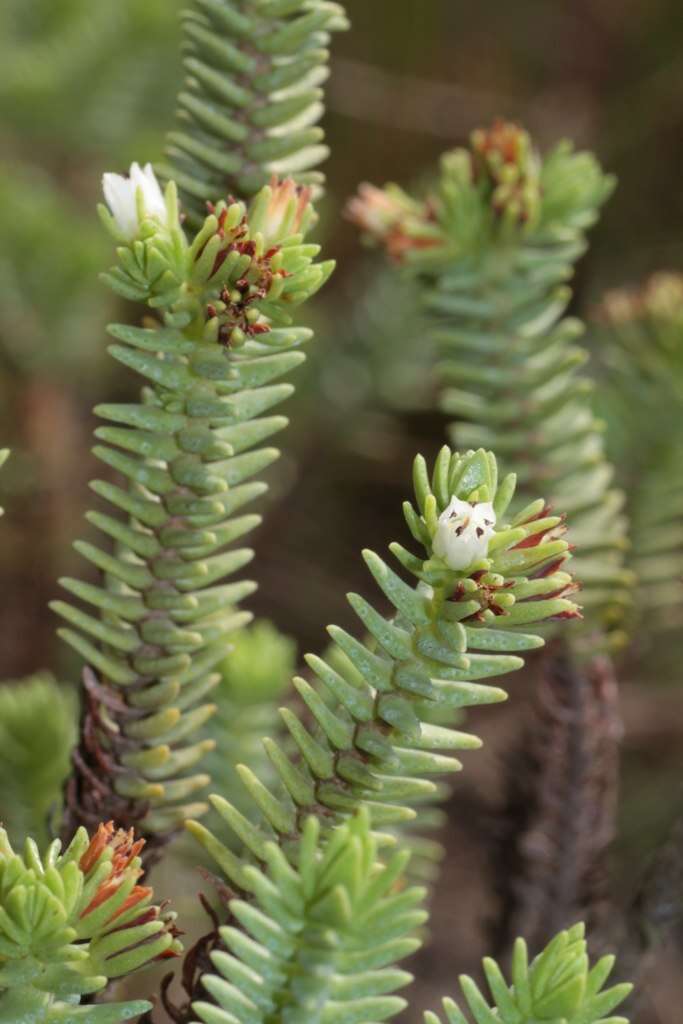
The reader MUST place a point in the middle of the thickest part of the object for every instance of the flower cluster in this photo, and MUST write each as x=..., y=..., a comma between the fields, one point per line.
x=503, y=159
x=389, y=216
x=113, y=902
x=255, y=243
x=235, y=314
x=543, y=552
x=464, y=532
x=492, y=185
x=242, y=271
x=118, y=890
x=489, y=566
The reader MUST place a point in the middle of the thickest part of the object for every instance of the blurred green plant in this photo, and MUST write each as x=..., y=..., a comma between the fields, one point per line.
x=387, y=356
x=49, y=312
x=107, y=62
x=639, y=343
x=37, y=731
x=254, y=677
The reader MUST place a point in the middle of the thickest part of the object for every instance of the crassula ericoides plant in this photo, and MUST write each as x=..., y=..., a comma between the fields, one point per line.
x=494, y=245
x=188, y=452
x=373, y=748
x=479, y=574
x=318, y=902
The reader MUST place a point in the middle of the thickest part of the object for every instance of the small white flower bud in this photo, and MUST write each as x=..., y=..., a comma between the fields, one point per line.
x=464, y=531
x=121, y=195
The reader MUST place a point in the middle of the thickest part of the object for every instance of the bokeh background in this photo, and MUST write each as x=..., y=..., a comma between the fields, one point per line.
x=87, y=87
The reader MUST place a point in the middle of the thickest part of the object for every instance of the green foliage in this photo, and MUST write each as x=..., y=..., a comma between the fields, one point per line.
x=255, y=675
x=640, y=346
x=70, y=922
x=37, y=732
x=49, y=311
x=189, y=451
x=318, y=941
x=372, y=742
x=257, y=669
x=386, y=359
x=252, y=98
x=494, y=247
x=558, y=987
x=109, y=62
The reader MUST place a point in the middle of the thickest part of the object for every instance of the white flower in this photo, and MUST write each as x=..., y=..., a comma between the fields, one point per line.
x=464, y=531
x=121, y=194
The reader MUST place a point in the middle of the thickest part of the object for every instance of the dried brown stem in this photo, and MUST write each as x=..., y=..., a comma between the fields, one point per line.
x=560, y=813
x=90, y=795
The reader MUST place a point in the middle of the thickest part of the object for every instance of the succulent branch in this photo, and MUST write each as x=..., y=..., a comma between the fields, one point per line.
x=252, y=99
x=373, y=746
x=559, y=815
x=319, y=938
x=558, y=986
x=479, y=576
x=494, y=246
x=188, y=453
x=640, y=336
x=70, y=922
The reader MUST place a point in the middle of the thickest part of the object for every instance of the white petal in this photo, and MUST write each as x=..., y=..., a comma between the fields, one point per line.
x=456, y=507
x=484, y=515
x=457, y=551
x=464, y=531
x=154, y=197
x=120, y=198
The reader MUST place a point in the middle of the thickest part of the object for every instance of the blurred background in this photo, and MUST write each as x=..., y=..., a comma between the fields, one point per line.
x=87, y=87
